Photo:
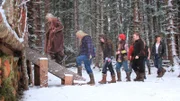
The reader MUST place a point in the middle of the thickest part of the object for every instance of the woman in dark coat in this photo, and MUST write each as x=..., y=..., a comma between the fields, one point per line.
x=107, y=48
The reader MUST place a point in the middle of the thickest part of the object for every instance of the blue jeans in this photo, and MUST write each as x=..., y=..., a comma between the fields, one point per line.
x=109, y=66
x=87, y=63
x=119, y=65
x=158, y=62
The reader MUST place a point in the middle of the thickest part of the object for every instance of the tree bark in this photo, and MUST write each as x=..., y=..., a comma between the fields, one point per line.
x=76, y=22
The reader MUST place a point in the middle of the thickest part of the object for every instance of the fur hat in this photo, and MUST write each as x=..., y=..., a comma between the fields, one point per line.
x=122, y=36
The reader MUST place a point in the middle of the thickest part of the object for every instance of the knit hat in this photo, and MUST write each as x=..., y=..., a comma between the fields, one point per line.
x=122, y=36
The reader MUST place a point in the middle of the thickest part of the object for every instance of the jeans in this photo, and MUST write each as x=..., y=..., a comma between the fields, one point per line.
x=87, y=63
x=158, y=62
x=125, y=65
x=146, y=62
x=110, y=67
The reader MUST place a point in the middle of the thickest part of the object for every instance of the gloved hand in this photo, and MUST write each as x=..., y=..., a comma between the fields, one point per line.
x=108, y=59
x=137, y=57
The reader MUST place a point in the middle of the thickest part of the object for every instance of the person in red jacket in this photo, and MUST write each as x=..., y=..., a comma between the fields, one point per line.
x=130, y=58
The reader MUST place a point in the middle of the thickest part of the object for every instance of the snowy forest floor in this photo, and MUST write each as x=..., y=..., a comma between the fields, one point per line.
x=153, y=89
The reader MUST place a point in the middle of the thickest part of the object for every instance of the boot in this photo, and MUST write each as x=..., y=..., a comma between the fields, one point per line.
x=119, y=76
x=128, y=76
x=163, y=71
x=137, y=76
x=159, y=74
x=103, y=81
x=91, y=82
x=79, y=71
x=179, y=76
x=141, y=77
x=113, y=79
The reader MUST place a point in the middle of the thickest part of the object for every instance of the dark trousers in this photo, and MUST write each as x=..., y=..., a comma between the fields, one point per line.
x=158, y=62
x=109, y=66
x=138, y=65
x=146, y=62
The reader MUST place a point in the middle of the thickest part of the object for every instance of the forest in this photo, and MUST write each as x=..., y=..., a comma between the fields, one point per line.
x=23, y=29
x=111, y=17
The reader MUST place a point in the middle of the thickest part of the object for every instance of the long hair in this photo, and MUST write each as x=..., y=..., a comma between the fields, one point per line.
x=121, y=45
x=107, y=42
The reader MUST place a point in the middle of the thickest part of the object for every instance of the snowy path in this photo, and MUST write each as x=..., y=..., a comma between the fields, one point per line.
x=153, y=89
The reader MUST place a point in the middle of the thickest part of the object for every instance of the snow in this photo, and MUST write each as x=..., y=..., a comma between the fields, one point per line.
x=153, y=89
x=169, y=3
x=43, y=58
x=7, y=24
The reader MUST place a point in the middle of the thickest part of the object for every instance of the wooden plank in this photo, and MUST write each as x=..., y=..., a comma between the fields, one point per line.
x=54, y=68
x=5, y=50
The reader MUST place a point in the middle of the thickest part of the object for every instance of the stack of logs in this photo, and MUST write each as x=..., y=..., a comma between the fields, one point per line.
x=9, y=78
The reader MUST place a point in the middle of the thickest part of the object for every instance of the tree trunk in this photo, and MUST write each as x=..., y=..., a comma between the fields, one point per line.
x=76, y=24
x=136, y=16
x=97, y=32
x=175, y=58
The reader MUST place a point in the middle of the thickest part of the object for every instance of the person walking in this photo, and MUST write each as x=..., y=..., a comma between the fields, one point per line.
x=54, y=41
x=107, y=48
x=158, y=52
x=85, y=55
x=147, y=59
x=121, y=57
x=138, y=55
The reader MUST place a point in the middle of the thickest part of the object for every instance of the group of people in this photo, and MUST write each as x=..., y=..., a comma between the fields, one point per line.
x=131, y=57
x=137, y=54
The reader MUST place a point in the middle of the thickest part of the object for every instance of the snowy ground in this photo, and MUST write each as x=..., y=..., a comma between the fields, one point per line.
x=153, y=89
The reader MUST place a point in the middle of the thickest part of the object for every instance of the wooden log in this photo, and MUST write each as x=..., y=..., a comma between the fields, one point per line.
x=0, y=62
x=7, y=69
x=5, y=50
x=2, y=98
x=8, y=35
x=54, y=68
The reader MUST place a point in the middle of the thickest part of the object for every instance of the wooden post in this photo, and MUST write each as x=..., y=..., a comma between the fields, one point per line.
x=43, y=64
x=68, y=79
x=41, y=73
x=36, y=75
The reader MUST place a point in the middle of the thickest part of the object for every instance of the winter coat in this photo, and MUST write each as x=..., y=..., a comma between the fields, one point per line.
x=130, y=52
x=54, y=38
x=87, y=47
x=161, y=49
x=123, y=51
x=107, y=49
x=138, y=48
